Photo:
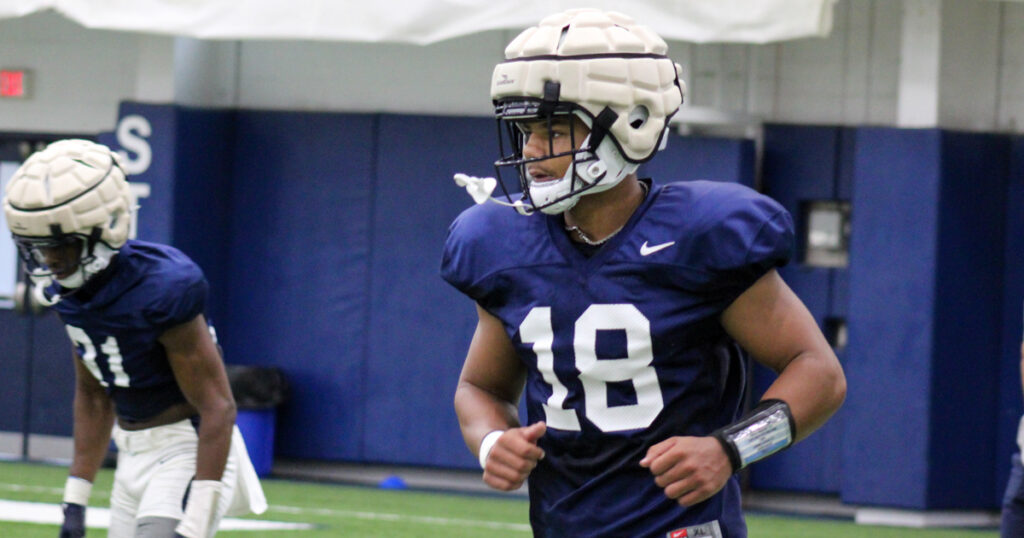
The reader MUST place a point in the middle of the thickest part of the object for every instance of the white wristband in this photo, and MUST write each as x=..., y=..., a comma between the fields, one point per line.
x=487, y=444
x=200, y=509
x=77, y=491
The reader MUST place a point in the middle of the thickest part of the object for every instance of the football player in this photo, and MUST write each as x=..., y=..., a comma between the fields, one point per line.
x=147, y=368
x=625, y=307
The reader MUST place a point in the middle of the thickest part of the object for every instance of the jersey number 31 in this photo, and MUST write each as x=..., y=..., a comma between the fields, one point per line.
x=109, y=348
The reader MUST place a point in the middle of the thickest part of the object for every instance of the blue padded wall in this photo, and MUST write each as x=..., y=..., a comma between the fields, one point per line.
x=38, y=374
x=53, y=376
x=419, y=327
x=805, y=163
x=967, y=316
x=926, y=266
x=299, y=261
x=892, y=258
x=202, y=201
x=840, y=279
x=1009, y=374
x=16, y=349
x=688, y=158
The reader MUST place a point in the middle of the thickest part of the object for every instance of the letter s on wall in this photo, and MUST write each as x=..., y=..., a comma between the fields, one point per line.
x=132, y=131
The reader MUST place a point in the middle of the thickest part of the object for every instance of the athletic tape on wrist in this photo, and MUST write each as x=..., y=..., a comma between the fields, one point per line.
x=767, y=429
x=77, y=491
x=487, y=444
x=200, y=509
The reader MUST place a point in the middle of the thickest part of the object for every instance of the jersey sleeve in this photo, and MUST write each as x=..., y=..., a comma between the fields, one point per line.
x=466, y=261
x=450, y=256
x=751, y=236
x=179, y=297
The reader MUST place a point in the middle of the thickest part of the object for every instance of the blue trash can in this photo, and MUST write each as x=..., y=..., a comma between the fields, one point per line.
x=257, y=427
x=257, y=391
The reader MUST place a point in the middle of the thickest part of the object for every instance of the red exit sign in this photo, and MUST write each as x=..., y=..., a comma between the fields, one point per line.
x=13, y=83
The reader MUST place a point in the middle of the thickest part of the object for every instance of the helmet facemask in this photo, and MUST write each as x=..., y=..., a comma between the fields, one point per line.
x=597, y=163
x=68, y=259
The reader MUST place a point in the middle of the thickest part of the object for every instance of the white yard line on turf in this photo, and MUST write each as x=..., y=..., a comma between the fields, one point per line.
x=99, y=518
x=446, y=521
x=34, y=489
x=351, y=514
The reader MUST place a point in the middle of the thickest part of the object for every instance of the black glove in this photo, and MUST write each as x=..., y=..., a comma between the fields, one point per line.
x=74, y=521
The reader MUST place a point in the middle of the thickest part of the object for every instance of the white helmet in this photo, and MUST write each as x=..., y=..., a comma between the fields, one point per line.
x=72, y=193
x=607, y=70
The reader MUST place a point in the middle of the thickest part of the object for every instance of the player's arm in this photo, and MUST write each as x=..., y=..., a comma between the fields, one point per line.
x=771, y=323
x=199, y=370
x=486, y=400
x=93, y=418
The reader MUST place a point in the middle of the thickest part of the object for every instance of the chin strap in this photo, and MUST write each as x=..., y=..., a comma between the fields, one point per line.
x=40, y=283
x=97, y=262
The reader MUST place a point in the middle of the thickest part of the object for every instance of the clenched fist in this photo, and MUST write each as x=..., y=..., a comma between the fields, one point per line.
x=689, y=469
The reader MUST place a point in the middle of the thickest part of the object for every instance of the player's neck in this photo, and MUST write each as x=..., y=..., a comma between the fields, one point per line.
x=597, y=217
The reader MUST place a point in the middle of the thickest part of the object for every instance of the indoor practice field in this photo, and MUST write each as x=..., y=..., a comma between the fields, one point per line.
x=330, y=510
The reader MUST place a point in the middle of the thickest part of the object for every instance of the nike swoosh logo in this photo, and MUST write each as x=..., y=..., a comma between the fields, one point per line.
x=647, y=251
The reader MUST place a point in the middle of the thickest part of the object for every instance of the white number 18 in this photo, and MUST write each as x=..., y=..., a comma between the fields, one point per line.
x=596, y=373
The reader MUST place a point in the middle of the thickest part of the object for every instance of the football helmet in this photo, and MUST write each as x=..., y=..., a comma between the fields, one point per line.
x=70, y=199
x=605, y=69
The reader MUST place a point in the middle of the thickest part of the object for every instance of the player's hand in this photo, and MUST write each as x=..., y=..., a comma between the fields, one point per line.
x=200, y=505
x=689, y=469
x=74, y=521
x=513, y=457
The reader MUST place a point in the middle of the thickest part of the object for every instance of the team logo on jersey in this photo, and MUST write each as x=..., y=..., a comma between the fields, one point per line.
x=648, y=250
x=704, y=530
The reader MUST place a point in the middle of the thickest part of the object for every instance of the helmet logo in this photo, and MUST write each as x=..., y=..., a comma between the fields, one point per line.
x=504, y=80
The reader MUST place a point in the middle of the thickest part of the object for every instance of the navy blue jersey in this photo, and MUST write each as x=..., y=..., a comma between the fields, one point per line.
x=115, y=320
x=624, y=348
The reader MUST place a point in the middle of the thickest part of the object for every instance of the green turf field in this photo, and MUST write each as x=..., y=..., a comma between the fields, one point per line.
x=337, y=510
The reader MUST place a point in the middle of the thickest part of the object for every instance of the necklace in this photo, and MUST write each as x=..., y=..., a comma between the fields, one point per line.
x=597, y=242
x=587, y=239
